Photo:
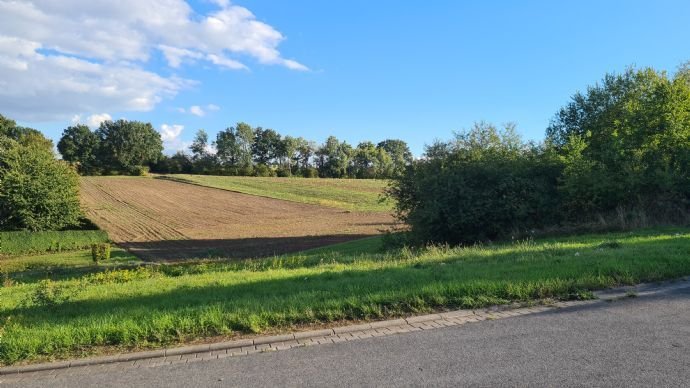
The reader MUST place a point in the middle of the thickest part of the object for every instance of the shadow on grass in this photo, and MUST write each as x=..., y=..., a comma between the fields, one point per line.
x=177, y=250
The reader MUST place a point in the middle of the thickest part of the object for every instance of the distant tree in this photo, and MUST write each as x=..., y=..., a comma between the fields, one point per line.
x=227, y=147
x=364, y=160
x=204, y=162
x=399, y=152
x=37, y=192
x=383, y=165
x=199, y=145
x=126, y=146
x=305, y=151
x=289, y=147
x=267, y=146
x=79, y=145
x=333, y=158
x=234, y=147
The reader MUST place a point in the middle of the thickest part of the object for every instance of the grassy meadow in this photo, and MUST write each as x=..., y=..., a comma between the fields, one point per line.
x=85, y=308
x=347, y=194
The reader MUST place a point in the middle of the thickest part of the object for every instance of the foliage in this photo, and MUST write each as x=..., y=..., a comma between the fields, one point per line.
x=23, y=135
x=50, y=294
x=100, y=252
x=80, y=146
x=626, y=143
x=125, y=146
x=486, y=184
x=24, y=242
x=37, y=192
x=355, y=281
x=619, y=151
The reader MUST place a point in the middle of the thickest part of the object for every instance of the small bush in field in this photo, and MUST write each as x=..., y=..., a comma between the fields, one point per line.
x=100, y=252
x=49, y=293
x=119, y=276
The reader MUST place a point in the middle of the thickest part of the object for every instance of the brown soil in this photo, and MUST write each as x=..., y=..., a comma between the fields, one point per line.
x=162, y=220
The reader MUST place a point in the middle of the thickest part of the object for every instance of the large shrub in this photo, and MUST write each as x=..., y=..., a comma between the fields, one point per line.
x=483, y=185
x=37, y=192
x=625, y=143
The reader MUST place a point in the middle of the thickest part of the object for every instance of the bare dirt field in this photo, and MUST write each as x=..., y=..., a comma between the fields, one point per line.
x=164, y=220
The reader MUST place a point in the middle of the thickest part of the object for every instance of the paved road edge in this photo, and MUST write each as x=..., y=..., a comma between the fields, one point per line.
x=340, y=334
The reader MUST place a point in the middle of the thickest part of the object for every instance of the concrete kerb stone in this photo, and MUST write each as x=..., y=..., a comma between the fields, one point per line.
x=187, y=350
x=350, y=329
x=313, y=333
x=231, y=344
x=10, y=370
x=384, y=324
x=423, y=318
x=273, y=339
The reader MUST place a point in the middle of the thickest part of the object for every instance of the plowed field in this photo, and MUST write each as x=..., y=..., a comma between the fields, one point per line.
x=163, y=220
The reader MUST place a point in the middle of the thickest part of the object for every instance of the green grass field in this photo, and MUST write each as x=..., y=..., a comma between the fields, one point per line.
x=349, y=194
x=85, y=312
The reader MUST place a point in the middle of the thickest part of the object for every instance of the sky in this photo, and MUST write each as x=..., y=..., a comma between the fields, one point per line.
x=359, y=70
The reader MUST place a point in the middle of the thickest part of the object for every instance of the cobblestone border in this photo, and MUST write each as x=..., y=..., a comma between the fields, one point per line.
x=243, y=347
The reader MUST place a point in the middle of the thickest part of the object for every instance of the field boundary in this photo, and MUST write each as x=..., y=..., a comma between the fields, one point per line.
x=241, y=347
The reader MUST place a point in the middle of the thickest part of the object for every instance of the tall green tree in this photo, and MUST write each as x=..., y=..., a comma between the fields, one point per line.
x=79, y=146
x=399, y=152
x=267, y=146
x=128, y=145
x=333, y=158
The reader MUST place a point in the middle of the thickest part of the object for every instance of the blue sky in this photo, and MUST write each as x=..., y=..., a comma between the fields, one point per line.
x=362, y=70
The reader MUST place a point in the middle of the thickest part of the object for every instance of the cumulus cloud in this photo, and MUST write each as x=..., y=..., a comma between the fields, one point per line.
x=60, y=58
x=94, y=121
x=170, y=134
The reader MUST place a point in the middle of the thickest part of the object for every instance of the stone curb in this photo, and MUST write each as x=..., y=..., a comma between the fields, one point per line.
x=365, y=330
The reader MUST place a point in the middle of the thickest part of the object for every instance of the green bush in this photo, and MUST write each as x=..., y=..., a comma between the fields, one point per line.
x=310, y=172
x=24, y=242
x=50, y=294
x=37, y=192
x=100, y=252
x=485, y=185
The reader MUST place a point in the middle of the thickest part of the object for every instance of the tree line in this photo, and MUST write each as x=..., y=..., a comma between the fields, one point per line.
x=616, y=156
x=131, y=147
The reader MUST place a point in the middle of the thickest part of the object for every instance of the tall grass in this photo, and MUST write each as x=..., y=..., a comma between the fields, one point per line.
x=162, y=305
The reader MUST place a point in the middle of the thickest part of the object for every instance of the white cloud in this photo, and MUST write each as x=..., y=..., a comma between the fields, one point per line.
x=197, y=111
x=170, y=134
x=93, y=121
x=60, y=58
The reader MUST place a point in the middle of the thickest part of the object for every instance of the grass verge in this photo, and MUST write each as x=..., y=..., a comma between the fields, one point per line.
x=348, y=194
x=168, y=304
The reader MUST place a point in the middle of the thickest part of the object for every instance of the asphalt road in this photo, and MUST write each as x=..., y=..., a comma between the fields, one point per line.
x=643, y=341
